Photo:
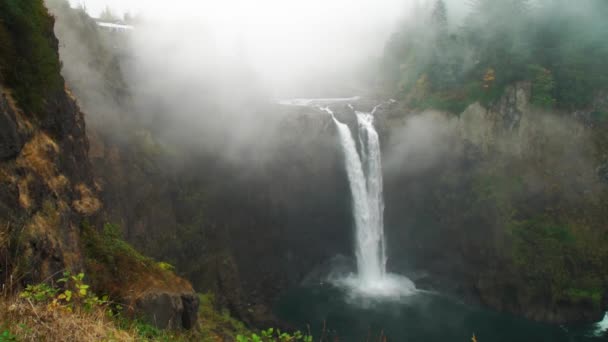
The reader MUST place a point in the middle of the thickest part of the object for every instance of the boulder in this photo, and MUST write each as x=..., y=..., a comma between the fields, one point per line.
x=167, y=310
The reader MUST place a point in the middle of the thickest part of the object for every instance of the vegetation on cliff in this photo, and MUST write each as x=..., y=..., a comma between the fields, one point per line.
x=29, y=60
x=445, y=65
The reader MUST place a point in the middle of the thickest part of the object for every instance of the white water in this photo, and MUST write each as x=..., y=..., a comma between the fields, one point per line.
x=600, y=328
x=364, y=173
x=311, y=102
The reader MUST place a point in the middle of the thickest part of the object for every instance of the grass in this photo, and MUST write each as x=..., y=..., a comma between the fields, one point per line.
x=213, y=323
x=26, y=320
x=37, y=315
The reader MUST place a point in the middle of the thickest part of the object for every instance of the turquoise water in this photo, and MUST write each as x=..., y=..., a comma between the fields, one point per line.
x=424, y=317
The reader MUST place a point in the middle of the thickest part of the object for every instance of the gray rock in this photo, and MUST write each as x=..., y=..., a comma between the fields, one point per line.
x=169, y=310
x=602, y=172
x=513, y=104
x=190, y=302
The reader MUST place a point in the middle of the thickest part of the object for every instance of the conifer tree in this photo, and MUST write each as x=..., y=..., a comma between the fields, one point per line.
x=439, y=16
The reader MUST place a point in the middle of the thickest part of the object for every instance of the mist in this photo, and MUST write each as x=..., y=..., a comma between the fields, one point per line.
x=493, y=118
x=282, y=42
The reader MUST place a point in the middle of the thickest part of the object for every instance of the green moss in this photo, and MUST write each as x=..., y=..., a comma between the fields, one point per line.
x=599, y=116
x=110, y=245
x=218, y=323
x=577, y=295
x=111, y=261
x=543, y=87
x=458, y=99
x=558, y=261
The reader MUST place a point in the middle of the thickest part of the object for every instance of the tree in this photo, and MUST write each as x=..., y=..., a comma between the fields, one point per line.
x=439, y=16
x=107, y=15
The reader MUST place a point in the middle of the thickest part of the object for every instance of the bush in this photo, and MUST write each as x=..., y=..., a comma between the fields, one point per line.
x=6, y=336
x=543, y=86
x=272, y=335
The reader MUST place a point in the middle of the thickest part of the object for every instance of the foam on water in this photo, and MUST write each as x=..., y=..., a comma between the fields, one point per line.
x=601, y=327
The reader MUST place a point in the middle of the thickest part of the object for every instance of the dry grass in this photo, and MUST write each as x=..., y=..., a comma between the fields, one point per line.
x=25, y=200
x=87, y=204
x=38, y=155
x=28, y=320
x=24, y=124
x=42, y=322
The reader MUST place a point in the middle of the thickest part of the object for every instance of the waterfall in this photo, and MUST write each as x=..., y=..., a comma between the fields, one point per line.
x=365, y=178
x=364, y=171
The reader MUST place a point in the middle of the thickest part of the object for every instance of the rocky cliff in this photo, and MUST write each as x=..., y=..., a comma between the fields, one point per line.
x=50, y=203
x=501, y=204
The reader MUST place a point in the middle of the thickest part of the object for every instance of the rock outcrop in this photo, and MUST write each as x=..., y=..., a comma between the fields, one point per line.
x=169, y=310
x=500, y=204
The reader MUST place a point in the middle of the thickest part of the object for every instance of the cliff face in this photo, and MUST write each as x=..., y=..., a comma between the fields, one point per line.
x=51, y=210
x=502, y=205
x=47, y=187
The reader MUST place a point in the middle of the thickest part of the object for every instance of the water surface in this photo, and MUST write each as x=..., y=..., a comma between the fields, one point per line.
x=424, y=317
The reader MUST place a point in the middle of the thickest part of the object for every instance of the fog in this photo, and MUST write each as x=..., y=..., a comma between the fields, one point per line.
x=207, y=72
x=283, y=42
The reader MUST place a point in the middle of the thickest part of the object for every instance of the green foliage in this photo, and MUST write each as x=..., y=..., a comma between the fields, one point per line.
x=577, y=295
x=110, y=249
x=74, y=293
x=272, y=335
x=29, y=61
x=39, y=292
x=555, y=261
x=599, y=116
x=148, y=331
x=165, y=266
x=112, y=262
x=7, y=336
x=545, y=44
x=214, y=322
x=543, y=87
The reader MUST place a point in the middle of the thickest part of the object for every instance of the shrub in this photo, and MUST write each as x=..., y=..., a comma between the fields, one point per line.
x=543, y=86
x=75, y=293
x=272, y=335
x=6, y=336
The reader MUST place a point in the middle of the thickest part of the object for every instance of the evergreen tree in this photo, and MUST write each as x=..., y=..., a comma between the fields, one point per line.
x=439, y=16
x=107, y=15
